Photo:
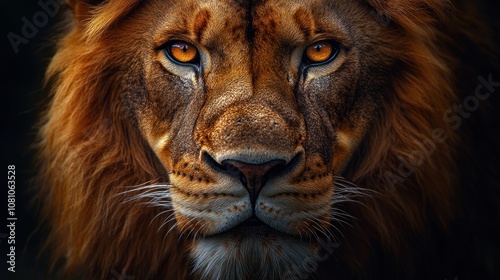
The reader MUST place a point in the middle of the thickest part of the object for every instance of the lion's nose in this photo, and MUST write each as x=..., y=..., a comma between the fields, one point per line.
x=253, y=176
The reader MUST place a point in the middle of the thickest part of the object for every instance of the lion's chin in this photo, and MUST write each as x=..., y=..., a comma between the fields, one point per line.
x=251, y=250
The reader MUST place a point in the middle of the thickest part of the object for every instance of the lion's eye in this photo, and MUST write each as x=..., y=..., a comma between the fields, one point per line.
x=321, y=52
x=182, y=52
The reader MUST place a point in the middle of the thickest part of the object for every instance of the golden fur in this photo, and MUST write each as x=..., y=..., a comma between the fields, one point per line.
x=95, y=145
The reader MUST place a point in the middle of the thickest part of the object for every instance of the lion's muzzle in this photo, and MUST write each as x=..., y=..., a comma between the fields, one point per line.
x=252, y=143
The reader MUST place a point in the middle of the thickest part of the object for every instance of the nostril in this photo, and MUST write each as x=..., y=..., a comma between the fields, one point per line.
x=235, y=172
x=252, y=170
x=253, y=176
x=231, y=169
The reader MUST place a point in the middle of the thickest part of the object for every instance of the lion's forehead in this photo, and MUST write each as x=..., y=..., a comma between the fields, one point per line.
x=254, y=23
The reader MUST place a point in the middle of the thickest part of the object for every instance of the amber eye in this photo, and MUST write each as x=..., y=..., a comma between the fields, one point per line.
x=321, y=52
x=182, y=52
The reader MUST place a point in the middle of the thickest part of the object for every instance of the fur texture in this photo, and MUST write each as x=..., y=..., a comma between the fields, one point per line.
x=124, y=175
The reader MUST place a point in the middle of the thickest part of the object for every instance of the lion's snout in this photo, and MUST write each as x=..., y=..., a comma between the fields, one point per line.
x=254, y=127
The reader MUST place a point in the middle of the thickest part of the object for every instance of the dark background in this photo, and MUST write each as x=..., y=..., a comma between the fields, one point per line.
x=23, y=98
x=21, y=84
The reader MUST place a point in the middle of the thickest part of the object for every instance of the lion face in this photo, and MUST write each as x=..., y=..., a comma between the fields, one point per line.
x=251, y=133
x=253, y=110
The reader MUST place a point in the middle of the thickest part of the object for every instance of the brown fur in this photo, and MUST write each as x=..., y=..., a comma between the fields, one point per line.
x=98, y=136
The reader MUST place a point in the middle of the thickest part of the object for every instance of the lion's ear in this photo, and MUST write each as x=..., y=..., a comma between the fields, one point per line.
x=83, y=9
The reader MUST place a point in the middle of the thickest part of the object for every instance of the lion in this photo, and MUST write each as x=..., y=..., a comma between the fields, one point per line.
x=272, y=139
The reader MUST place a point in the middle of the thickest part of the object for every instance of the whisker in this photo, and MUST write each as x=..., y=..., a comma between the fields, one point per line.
x=328, y=229
x=340, y=212
x=155, y=195
x=351, y=186
x=159, y=214
x=185, y=229
x=142, y=187
x=341, y=222
x=347, y=192
x=175, y=225
x=324, y=230
x=152, y=194
x=167, y=220
x=312, y=233
x=149, y=191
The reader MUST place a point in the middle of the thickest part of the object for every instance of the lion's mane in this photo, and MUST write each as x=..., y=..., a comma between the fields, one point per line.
x=90, y=149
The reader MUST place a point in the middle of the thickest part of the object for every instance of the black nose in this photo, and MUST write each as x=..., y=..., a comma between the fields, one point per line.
x=253, y=176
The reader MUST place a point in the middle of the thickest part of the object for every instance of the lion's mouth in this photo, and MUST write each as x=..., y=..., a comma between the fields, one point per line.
x=252, y=222
x=252, y=227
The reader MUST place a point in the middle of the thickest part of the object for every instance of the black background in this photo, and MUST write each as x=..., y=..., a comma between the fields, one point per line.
x=23, y=99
